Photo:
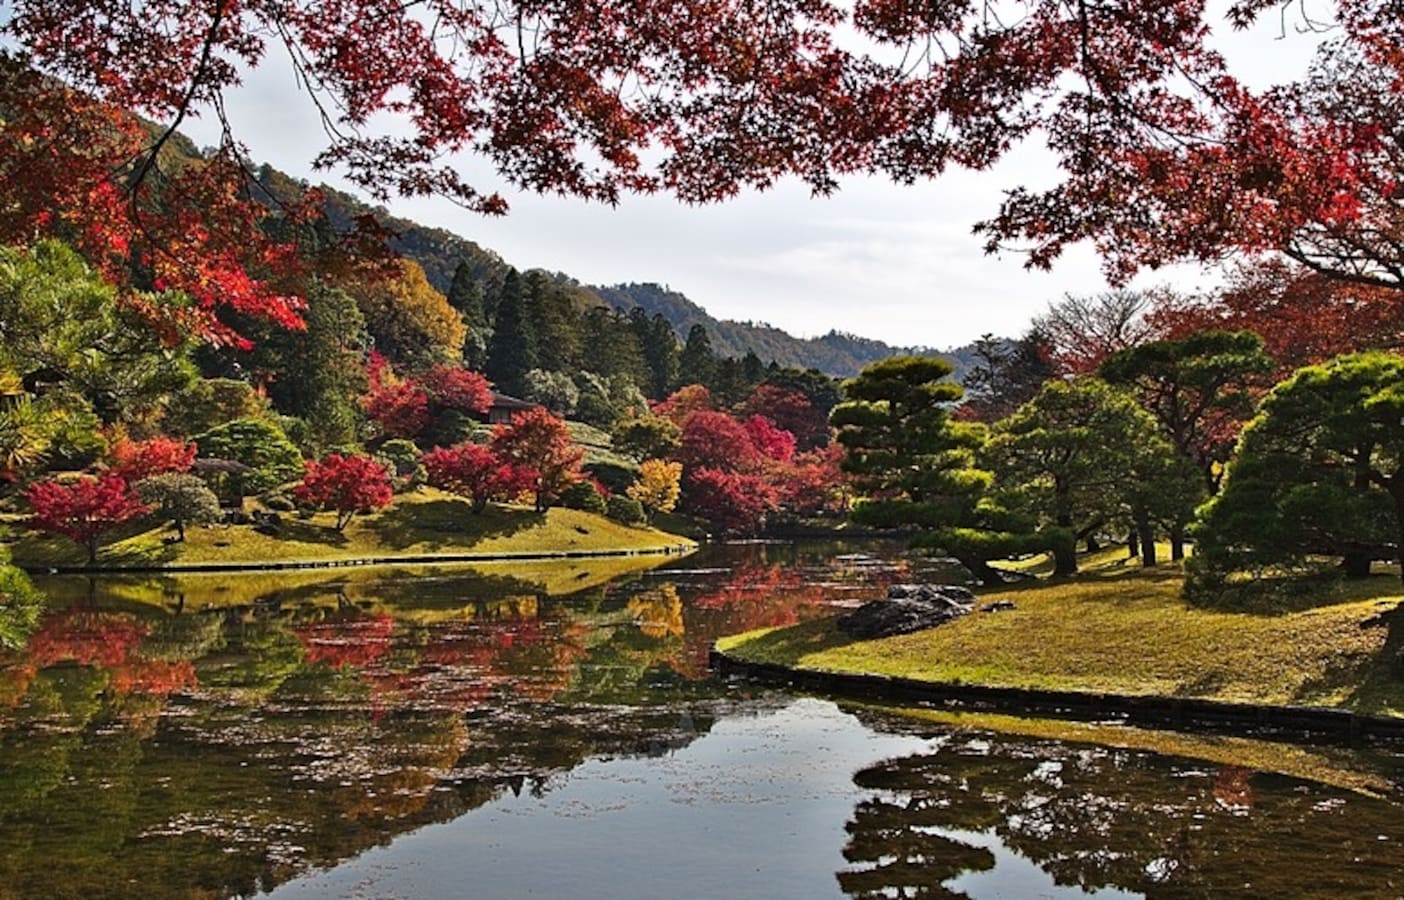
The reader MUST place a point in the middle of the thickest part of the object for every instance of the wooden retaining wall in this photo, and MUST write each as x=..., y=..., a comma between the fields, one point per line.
x=1290, y=722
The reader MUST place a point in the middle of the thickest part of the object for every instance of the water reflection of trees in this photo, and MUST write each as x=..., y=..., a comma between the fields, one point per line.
x=1093, y=817
x=228, y=742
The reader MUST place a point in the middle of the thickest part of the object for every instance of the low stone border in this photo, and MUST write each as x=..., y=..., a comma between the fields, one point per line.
x=1295, y=722
x=415, y=559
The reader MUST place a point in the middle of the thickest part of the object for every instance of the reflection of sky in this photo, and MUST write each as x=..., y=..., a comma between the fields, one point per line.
x=883, y=261
x=754, y=808
x=1014, y=875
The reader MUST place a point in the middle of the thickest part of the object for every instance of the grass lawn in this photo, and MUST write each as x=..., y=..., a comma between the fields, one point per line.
x=425, y=522
x=1119, y=629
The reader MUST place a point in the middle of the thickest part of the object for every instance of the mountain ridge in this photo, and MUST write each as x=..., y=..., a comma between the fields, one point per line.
x=440, y=251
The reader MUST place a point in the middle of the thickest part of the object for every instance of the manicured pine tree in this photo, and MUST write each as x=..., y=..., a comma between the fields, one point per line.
x=916, y=467
x=1075, y=456
x=1318, y=475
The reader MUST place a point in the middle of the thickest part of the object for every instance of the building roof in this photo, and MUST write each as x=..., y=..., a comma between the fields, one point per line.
x=502, y=401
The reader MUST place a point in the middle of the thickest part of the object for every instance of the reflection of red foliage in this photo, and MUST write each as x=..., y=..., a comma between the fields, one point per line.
x=14, y=683
x=347, y=643
x=154, y=677
x=86, y=636
x=107, y=640
x=1233, y=786
x=463, y=668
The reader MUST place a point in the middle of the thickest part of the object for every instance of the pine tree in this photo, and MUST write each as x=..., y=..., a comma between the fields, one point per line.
x=698, y=363
x=465, y=294
x=512, y=352
x=916, y=467
x=555, y=321
x=660, y=351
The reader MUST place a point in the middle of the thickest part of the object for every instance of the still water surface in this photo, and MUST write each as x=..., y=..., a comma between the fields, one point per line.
x=552, y=731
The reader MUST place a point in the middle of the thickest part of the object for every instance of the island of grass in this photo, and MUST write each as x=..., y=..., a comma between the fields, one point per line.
x=1117, y=629
x=424, y=525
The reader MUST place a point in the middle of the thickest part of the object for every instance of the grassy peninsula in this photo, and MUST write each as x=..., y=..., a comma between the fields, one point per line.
x=424, y=523
x=1116, y=628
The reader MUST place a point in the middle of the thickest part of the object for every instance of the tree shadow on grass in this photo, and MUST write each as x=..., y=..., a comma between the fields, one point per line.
x=787, y=646
x=1283, y=594
x=447, y=525
x=1364, y=682
x=309, y=533
x=38, y=551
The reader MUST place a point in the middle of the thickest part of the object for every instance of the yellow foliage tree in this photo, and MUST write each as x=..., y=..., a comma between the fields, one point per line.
x=412, y=323
x=658, y=486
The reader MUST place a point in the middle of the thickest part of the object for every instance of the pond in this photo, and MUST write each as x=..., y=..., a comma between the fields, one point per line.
x=506, y=731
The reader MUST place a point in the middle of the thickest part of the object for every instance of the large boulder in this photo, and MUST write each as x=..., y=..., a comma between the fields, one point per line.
x=907, y=608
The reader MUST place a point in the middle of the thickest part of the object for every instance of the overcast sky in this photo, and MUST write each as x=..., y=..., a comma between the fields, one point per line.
x=879, y=260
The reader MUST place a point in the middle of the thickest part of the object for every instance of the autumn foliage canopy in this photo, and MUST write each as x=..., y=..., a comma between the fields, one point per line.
x=1165, y=153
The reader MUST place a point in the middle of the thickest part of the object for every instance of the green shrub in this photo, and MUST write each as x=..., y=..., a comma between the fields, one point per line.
x=625, y=510
x=279, y=502
x=402, y=458
x=585, y=496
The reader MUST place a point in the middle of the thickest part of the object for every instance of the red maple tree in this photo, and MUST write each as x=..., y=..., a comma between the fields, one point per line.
x=683, y=402
x=458, y=389
x=1303, y=317
x=539, y=441
x=135, y=460
x=771, y=442
x=84, y=510
x=477, y=473
x=733, y=501
x=791, y=410
x=714, y=440
x=347, y=484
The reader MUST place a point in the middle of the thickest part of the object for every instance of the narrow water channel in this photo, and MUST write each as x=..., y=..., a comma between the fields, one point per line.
x=552, y=731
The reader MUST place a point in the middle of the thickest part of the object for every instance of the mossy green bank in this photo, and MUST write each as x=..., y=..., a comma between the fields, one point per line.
x=1119, y=629
x=424, y=524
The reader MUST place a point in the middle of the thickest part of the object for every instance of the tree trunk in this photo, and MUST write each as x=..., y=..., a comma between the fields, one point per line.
x=1065, y=552
x=1177, y=541
x=1396, y=491
x=1133, y=545
x=980, y=570
x=1091, y=543
x=1356, y=564
x=180, y=530
x=1146, y=537
x=91, y=544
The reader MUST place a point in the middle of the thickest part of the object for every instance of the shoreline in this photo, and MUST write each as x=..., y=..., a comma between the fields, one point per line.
x=678, y=549
x=1305, y=723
